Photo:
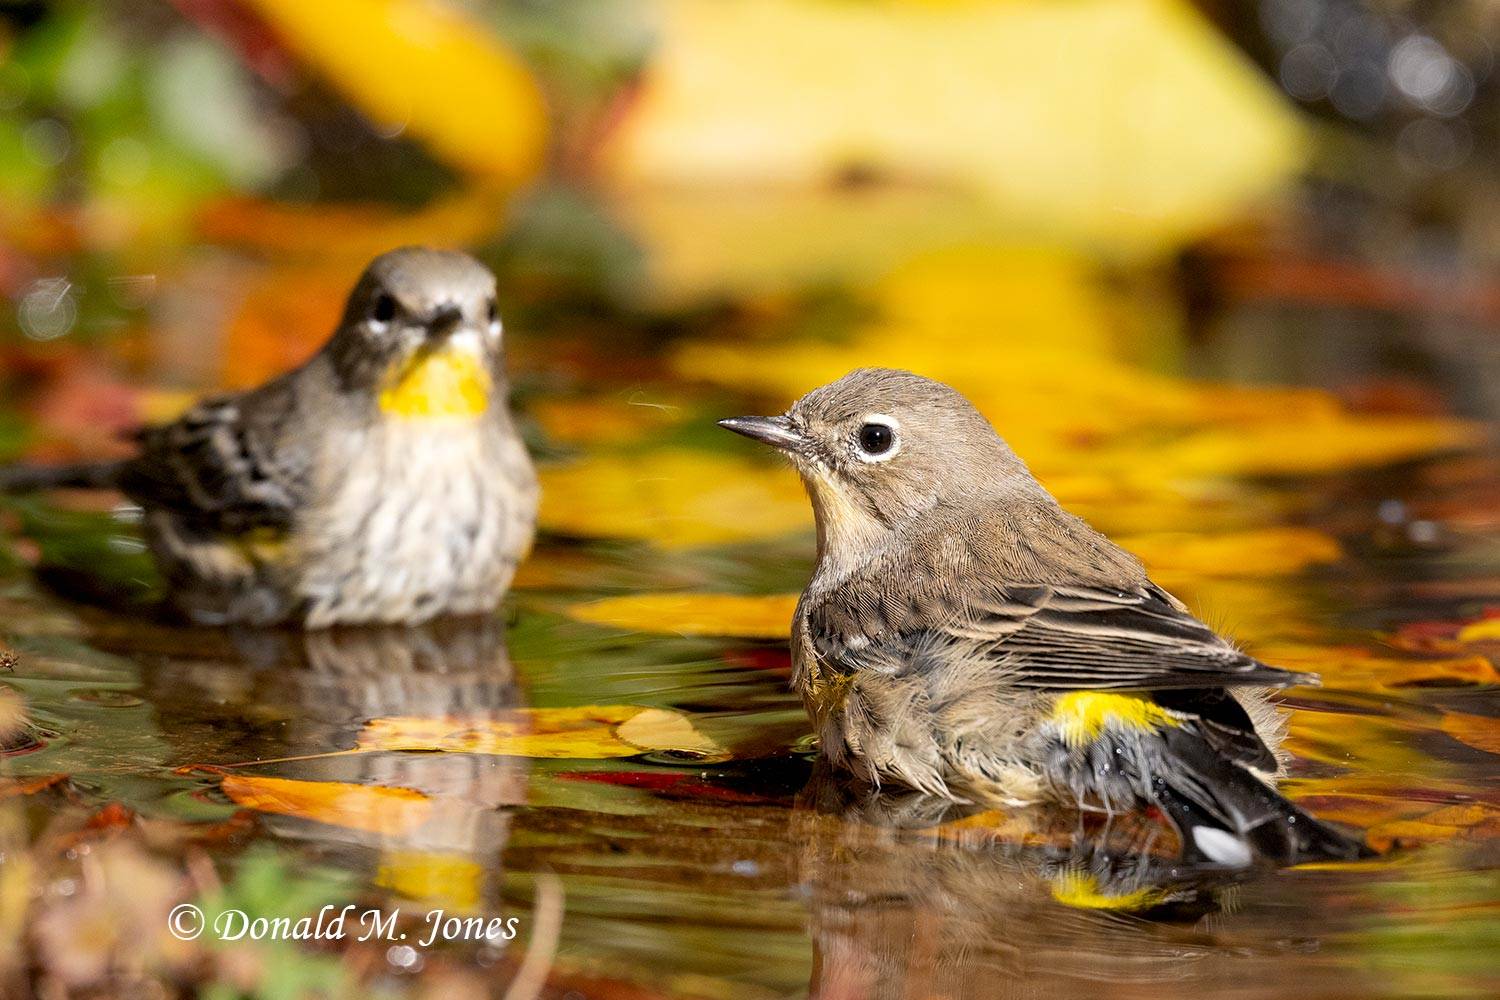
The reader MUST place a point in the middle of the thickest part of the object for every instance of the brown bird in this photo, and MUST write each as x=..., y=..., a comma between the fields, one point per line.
x=965, y=636
x=382, y=481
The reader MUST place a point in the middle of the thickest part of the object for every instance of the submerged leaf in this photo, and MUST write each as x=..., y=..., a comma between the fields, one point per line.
x=767, y=616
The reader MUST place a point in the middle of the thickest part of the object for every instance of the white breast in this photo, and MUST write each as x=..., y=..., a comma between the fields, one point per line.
x=415, y=519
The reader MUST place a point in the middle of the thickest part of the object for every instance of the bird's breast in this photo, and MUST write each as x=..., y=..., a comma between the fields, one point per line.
x=415, y=518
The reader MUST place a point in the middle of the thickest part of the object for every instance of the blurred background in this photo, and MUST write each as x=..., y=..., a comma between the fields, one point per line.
x=1227, y=275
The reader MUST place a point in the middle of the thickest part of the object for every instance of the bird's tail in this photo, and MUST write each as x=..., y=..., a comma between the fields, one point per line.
x=1226, y=815
x=84, y=475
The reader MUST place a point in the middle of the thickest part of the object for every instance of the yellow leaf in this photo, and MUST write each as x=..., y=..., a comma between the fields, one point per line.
x=972, y=97
x=753, y=617
x=1264, y=552
x=591, y=732
x=1484, y=630
x=1482, y=732
x=429, y=67
x=372, y=808
x=674, y=498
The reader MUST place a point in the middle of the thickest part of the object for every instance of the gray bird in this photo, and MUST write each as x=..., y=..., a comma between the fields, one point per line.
x=382, y=481
x=965, y=636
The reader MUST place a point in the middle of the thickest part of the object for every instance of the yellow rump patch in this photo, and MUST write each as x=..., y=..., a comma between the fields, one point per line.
x=445, y=383
x=1082, y=715
x=1081, y=891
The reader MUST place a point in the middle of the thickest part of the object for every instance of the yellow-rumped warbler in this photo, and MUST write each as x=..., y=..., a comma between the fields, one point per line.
x=382, y=481
x=965, y=636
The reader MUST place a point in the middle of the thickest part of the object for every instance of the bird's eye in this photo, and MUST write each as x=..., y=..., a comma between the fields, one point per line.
x=494, y=312
x=385, y=309
x=877, y=440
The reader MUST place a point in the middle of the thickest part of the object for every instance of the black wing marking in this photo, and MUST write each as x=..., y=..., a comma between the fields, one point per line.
x=1222, y=722
x=219, y=466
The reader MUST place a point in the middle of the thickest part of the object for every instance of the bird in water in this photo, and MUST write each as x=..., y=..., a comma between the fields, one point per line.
x=381, y=482
x=966, y=637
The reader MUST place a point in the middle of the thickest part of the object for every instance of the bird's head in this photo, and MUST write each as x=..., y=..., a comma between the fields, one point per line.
x=881, y=448
x=422, y=332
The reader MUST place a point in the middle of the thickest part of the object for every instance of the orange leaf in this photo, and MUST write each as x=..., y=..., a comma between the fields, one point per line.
x=373, y=808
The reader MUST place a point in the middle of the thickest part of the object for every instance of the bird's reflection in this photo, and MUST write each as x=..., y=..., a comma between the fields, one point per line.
x=909, y=896
x=435, y=822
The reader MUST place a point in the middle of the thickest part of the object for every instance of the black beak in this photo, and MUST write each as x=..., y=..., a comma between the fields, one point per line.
x=444, y=320
x=777, y=432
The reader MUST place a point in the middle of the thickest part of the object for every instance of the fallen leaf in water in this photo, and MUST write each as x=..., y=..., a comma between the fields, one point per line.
x=373, y=808
x=766, y=616
x=583, y=732
x=676, y=498
x=477, y=107
x=1482, y=732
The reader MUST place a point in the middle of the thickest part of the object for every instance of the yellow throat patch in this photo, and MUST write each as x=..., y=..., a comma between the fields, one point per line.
x=1080, y=716
x=450, y=382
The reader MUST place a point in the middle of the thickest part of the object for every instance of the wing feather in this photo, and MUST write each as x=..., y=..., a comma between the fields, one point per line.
x=222, y=466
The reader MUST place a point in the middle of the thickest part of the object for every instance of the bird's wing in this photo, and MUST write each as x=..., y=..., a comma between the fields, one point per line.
x=1094, y=638
x=222, y=466
x=1057, y=638
x=1061, y=638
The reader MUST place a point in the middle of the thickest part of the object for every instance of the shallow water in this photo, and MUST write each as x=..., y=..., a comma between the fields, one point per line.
x=740, y=870
x=752, y=876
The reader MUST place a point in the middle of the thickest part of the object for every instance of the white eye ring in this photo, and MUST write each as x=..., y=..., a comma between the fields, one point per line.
x=863, y=453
